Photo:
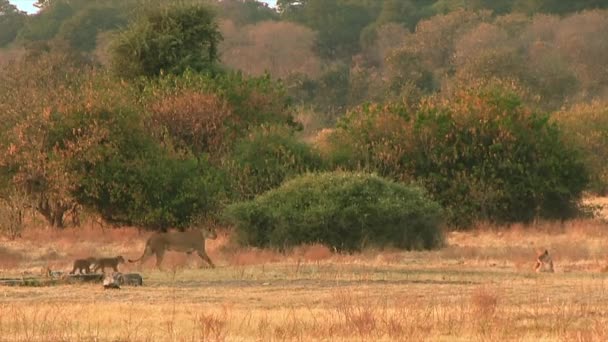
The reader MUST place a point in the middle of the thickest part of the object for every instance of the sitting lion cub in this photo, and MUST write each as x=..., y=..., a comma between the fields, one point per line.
x=544, y=262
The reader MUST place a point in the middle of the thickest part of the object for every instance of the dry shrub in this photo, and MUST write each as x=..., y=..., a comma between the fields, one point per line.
x=194, y=120
x=586, y=228
x=358, y=315
x=323, y=141
x=254, y=256
x=388, y=257
x=315, y=252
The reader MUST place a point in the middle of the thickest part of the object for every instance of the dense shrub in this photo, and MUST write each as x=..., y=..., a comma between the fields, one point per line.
x=266, y=157
x=151, y=189
x=119, y=169
x=346, y=211
x=481, y=153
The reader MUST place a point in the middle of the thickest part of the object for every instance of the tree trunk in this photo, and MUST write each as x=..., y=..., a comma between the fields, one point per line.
x=53, y=211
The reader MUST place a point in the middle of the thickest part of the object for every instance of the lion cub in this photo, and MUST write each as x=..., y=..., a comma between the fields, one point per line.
x=83, y=265
x=102, y=263
x=544, y=262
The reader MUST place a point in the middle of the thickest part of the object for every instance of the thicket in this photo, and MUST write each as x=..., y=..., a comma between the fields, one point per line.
x=481, y=154
x=173, y=135
x=83, y=142
x=345, y=211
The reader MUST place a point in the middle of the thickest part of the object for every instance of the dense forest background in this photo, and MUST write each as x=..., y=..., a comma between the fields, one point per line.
x=158, y=113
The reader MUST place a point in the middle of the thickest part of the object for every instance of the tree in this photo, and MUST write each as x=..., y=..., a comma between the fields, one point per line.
x=338, y=23
x=34, y=96
x=246, y=12
x=45, y=24
x=279, y=48
x=81, y=30
x=11, y=21
x=167, y=40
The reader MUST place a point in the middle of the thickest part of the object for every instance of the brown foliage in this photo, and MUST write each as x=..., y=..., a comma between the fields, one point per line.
x=194, y=120
x=280, y=48
x=37, y=97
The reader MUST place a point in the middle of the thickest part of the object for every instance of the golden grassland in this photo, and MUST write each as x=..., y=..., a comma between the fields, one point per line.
x=481, y=286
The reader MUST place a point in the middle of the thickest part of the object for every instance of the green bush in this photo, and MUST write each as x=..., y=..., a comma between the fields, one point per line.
x=481, y=154
x=346, y=211
x=130, y=179
x=81, y=30
x=586, y=126
x=267, y=157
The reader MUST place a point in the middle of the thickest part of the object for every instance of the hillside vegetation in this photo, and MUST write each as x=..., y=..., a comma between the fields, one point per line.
x=163, y=114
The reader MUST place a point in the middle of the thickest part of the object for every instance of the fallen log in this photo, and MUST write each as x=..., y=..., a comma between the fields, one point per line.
x=133, y=279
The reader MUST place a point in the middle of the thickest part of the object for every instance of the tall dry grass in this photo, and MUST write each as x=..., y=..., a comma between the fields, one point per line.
x=480, y=287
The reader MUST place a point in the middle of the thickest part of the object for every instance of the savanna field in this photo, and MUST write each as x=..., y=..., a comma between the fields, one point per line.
x=481, y=286
x=386, y=170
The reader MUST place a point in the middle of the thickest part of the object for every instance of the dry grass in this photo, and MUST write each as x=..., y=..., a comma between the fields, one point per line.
x=480, y=287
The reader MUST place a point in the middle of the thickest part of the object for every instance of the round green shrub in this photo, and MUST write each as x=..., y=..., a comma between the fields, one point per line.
x=342, y=210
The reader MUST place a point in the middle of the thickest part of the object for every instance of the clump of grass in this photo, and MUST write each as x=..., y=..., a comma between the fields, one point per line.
x=485, y=302
x=357, y=316
x=212, y=326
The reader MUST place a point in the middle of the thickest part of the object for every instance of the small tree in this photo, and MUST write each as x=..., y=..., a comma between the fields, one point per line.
x=167, y=40
x=11, y=21
x=34, y=96
x=266, y=158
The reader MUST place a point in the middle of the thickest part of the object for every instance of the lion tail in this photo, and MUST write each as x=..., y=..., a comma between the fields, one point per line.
x=141, y=257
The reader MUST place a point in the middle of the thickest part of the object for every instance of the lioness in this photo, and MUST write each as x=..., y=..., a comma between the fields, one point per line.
x=102, y=263
x=544, y=262
x=83, y=265
x=188, y=241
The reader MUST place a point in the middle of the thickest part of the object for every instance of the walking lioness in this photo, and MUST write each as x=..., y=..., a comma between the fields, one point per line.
x=188, y=242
